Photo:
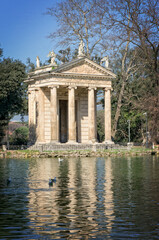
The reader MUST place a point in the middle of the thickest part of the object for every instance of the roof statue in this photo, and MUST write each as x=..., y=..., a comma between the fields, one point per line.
x=81, y=52
x=106, y=60
x=52, y=55
x=37, y=62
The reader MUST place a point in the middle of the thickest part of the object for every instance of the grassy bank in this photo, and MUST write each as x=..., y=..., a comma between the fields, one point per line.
x=134, y=151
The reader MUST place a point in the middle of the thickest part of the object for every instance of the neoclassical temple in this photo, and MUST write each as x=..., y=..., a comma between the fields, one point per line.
x=62, y=101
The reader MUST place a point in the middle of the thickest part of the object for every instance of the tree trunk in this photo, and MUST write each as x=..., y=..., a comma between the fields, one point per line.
x=119, y=105
x=124, y=77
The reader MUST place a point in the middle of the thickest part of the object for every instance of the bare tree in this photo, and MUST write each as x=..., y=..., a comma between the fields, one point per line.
x=127, y=69
x=136, y=23
x=79, y=20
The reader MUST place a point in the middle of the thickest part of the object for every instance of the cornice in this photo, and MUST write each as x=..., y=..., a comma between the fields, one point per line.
x=68, y=76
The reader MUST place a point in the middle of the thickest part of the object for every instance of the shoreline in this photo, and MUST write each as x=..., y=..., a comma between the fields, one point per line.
x=134, y=151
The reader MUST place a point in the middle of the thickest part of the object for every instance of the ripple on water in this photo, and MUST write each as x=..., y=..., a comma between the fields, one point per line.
x=93, y=198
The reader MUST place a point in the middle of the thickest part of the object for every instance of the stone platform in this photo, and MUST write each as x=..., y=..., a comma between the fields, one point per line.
x=69, y=147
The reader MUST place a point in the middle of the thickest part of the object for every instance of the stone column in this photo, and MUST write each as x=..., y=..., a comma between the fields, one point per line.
x=107, y=115
x=71, y=115
x=31, y=107
x=91, y=115
x=32, y=115
x=53, y=111
x=34, y=107
x=40, y=117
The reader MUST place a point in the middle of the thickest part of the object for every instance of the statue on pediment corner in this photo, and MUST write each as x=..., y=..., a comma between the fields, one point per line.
x=52, y=55
x=106, y=60
x=37, y=62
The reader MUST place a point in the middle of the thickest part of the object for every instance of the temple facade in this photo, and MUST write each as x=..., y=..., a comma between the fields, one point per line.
x=62, y=102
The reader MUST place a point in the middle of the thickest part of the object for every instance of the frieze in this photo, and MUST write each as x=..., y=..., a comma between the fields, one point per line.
x=77, y=82
x=69, y=76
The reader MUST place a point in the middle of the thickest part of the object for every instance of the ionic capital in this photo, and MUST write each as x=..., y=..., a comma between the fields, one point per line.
x=36, y=89
x=92, y=88
x=72, y=87
x=32, y=90
x=53, y=86
x=108, y=89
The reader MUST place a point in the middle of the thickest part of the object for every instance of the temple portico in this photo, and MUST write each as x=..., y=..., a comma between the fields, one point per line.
x=62, y=102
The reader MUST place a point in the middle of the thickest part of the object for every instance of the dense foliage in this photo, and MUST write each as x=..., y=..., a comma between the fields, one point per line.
x=20, y=136
x=12, y=91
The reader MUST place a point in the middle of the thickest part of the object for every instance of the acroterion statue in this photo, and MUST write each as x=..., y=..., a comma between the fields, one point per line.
x=81, y=52
x=106, y=60
x=37, y=62
x=52, y=55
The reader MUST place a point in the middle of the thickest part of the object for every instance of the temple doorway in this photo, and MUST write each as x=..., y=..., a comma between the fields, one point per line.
x=63, y=121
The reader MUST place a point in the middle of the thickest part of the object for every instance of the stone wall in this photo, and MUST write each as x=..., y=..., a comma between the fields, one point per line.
x=72, y=147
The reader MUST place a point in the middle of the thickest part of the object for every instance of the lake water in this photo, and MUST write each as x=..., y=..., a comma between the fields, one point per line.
x=93, y=198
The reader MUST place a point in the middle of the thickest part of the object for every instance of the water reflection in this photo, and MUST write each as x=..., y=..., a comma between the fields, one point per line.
x=101, y=198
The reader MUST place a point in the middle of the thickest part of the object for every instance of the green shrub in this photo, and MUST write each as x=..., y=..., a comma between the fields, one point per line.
x=20, y=136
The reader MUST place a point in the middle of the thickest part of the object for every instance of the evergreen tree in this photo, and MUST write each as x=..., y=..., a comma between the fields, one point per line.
x=12, y=90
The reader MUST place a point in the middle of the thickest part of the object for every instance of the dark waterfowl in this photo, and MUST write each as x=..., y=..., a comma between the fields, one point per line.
x=8, y=181
x=54, y=179
x=51, y=181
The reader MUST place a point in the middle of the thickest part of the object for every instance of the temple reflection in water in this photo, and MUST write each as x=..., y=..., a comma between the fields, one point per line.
x=83, y=190
x=93, y=198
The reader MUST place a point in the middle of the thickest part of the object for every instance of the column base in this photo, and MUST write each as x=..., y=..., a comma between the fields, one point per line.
x=54, y=142
x=38, y=142
x=92, y=141
x=71, y=142
x=109, y=142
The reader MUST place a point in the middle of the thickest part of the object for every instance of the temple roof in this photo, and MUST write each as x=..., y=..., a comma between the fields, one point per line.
x=68, y=67
x=81, y=72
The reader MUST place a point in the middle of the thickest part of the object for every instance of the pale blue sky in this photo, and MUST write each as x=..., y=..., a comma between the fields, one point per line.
x=24, y=29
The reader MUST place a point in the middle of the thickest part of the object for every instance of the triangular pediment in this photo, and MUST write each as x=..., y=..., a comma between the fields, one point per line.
x=84, y=66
